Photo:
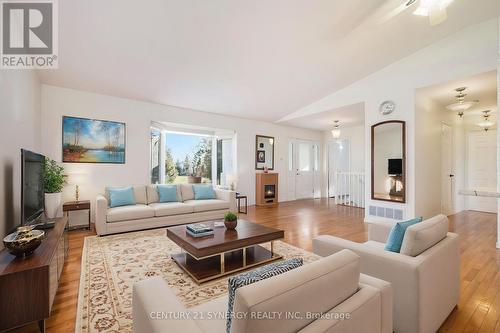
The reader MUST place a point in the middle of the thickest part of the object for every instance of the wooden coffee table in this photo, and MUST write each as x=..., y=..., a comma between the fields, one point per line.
x=225, y=252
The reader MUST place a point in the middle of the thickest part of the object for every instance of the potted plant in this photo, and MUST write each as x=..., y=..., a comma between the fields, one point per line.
x=53, y=181
x=230, y=220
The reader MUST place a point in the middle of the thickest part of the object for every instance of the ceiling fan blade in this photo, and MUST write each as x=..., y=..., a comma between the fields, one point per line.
x=437, y=16
x=393, y=9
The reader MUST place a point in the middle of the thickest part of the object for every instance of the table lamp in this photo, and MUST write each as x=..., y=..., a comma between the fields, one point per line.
x=76, y=179
x=232, y=181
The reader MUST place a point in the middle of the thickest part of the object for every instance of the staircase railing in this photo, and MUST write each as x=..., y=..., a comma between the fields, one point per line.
x=350, y=189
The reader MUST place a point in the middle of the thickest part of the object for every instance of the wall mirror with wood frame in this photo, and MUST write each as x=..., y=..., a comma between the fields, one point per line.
x=388, y=161
x=264, y=152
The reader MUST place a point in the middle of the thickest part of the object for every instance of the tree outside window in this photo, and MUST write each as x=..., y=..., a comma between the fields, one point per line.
x=188, y=158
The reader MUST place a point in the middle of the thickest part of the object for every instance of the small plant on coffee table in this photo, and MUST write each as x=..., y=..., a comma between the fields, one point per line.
x=230, y=220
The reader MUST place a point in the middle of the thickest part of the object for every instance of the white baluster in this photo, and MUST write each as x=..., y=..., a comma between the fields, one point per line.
x=336, y=187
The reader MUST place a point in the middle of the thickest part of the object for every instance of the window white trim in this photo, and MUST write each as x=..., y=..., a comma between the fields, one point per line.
x=185, y=129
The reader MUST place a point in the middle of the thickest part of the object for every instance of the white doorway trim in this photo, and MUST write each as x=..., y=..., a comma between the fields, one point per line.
x=447, y=170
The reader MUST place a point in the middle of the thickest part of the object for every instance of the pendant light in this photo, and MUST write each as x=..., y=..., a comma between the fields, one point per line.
x=486, y=124
x=336, y=129
x=461, y=105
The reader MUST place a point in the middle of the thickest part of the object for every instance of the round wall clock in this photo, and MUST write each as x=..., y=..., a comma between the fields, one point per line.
x=387, y=107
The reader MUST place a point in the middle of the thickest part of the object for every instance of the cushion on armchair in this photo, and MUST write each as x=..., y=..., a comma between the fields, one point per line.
x=425, y=235
x=395, y=239
x=253, y=276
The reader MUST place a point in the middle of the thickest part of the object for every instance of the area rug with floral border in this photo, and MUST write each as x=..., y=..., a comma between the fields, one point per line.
x=112, y=264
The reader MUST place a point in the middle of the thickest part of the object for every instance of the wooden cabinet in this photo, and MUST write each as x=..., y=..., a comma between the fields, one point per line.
x=28, y=286
x=266, y=190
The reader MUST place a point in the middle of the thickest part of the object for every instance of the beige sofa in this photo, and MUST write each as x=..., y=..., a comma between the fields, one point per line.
x=291, y=301
x=148, y=212
x=425, y=276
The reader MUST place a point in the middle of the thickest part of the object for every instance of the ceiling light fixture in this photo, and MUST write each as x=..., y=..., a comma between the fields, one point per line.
x=434, y=9
x=486, y=124
x=461, y=105
x=336, y=129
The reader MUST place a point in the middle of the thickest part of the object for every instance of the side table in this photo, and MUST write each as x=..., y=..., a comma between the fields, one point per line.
x=72, y=206
x=239, y=197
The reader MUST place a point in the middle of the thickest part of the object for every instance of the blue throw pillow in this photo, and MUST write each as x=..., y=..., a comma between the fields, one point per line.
x=167, y=193
x=258, y=274
x=203, y=192
x=397, y=234
x=121, y=197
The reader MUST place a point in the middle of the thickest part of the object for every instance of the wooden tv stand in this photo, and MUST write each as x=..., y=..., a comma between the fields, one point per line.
x=28, y=286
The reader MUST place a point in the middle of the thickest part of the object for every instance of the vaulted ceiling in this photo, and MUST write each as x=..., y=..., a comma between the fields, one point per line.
x=259, y=59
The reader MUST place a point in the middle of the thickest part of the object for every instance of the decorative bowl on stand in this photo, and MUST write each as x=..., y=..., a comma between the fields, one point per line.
x=24, y=241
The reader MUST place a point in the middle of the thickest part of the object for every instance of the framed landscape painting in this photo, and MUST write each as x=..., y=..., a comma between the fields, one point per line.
x=92, y=141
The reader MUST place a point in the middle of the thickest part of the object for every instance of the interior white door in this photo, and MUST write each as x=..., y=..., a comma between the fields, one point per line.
x=338, y=161
x=304, y=178
x=316, y=171
x=482, y=169
x=447, y=173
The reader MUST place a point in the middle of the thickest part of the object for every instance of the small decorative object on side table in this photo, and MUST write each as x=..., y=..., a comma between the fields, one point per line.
x=240, y=196
x=230, y=221
x=72, y=206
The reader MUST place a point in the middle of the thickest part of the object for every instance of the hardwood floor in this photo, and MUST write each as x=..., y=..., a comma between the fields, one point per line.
x=478, y=311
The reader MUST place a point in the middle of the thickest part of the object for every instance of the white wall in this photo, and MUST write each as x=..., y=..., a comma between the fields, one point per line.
x=465, y=53
x=57, y=102
x=19, y=128
x=428, y=185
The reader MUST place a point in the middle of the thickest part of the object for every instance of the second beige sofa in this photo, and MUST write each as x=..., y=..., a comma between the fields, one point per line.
x=330, y=286
x=148, y=212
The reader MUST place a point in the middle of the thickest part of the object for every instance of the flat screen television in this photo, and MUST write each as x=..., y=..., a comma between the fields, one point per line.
x=32, y=190
x=395, y=166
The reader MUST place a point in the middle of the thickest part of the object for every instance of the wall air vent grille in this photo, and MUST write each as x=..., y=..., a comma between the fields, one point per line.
x=380, y=211
x=389, y=213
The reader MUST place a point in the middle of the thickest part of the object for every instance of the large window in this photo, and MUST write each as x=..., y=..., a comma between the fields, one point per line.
x=188, y=158
x=225, y=169
x=155, y=155
x=184, y=157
